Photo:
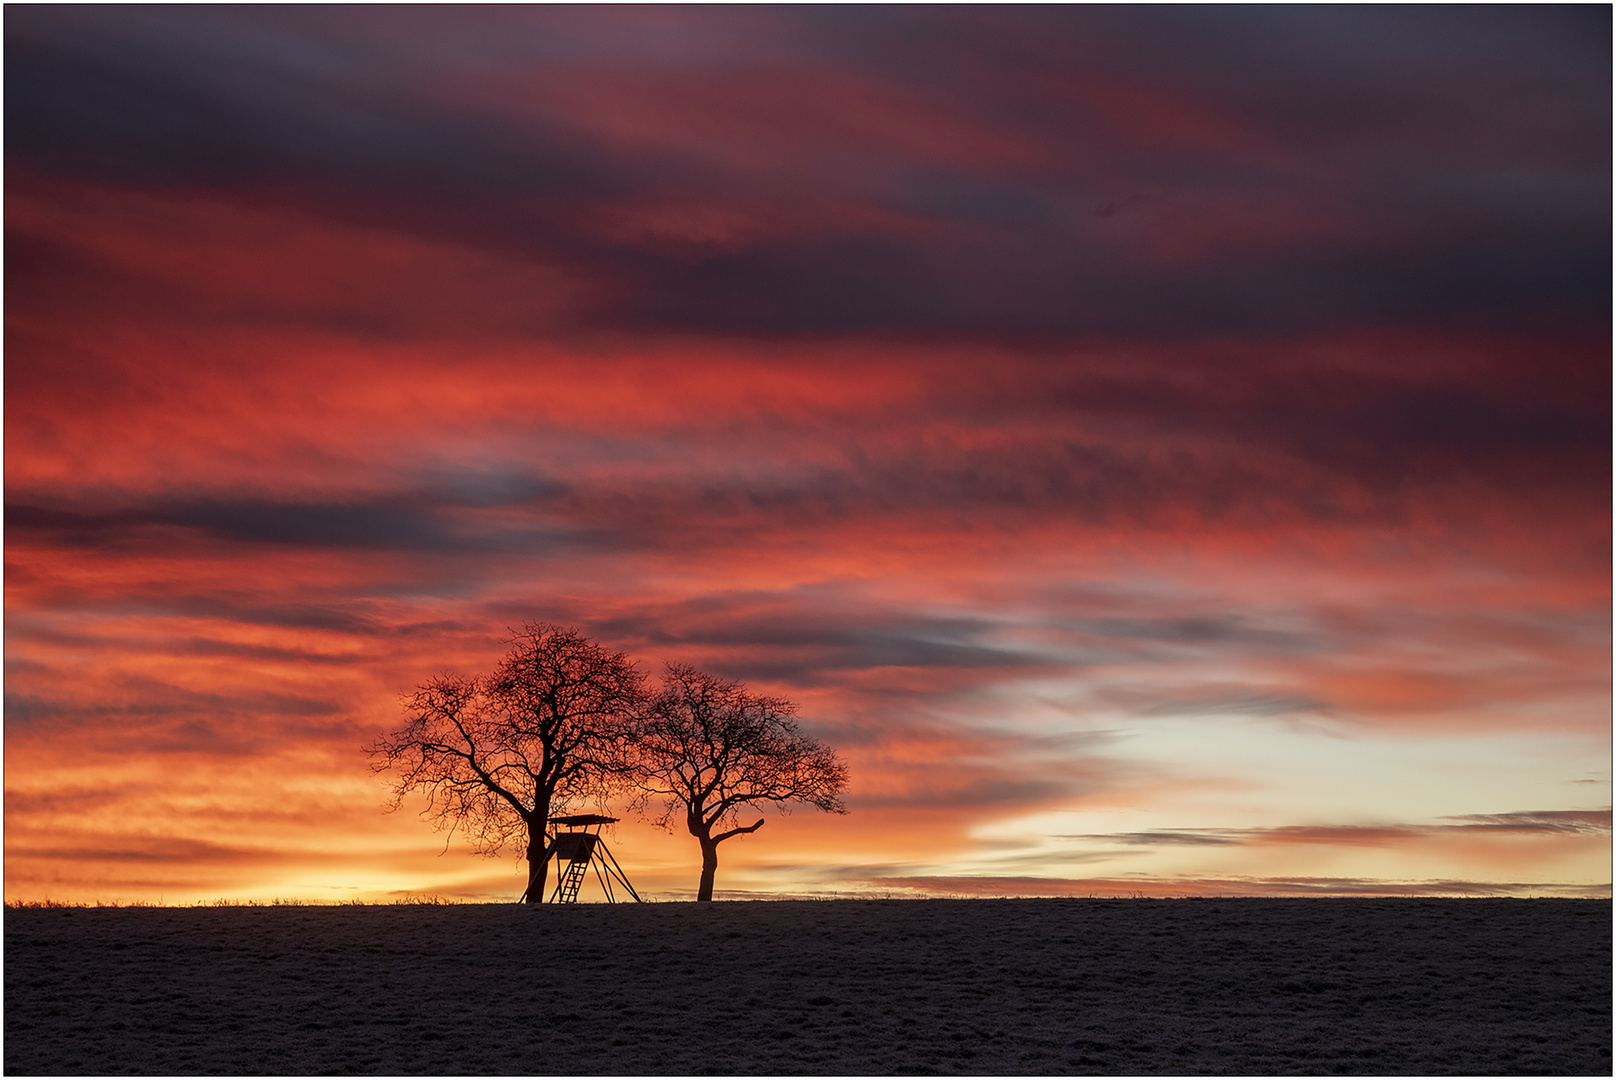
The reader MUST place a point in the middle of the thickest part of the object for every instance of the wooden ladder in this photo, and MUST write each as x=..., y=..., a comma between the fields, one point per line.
x=572, y=879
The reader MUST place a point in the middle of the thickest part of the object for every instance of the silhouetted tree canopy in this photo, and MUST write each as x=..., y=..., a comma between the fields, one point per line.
x=500, y=754
x=706, y=748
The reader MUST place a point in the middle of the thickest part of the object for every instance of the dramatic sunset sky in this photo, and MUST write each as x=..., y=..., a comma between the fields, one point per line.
x=1162, y=449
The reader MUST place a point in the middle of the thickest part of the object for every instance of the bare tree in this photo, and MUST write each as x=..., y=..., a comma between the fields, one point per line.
x=499, y=755
x=707, y=747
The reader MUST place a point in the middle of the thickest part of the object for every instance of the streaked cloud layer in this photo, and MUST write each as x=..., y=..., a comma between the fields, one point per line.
x=1162, y=448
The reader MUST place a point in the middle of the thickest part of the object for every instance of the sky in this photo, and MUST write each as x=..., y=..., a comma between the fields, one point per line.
x=1164, y=450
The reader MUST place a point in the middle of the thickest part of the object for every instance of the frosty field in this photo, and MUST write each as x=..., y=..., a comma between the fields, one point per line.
x=841, y=987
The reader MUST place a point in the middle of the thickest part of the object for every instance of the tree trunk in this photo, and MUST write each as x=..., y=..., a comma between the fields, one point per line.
x=709, y=867
x=538, y=865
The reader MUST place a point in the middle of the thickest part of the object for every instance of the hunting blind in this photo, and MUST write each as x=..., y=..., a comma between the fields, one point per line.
x=577, y=849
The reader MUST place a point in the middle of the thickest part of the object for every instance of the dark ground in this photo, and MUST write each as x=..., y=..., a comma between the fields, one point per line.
x=852, y=986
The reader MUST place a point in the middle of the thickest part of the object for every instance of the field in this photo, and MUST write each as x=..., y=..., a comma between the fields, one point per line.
x=841, y=987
